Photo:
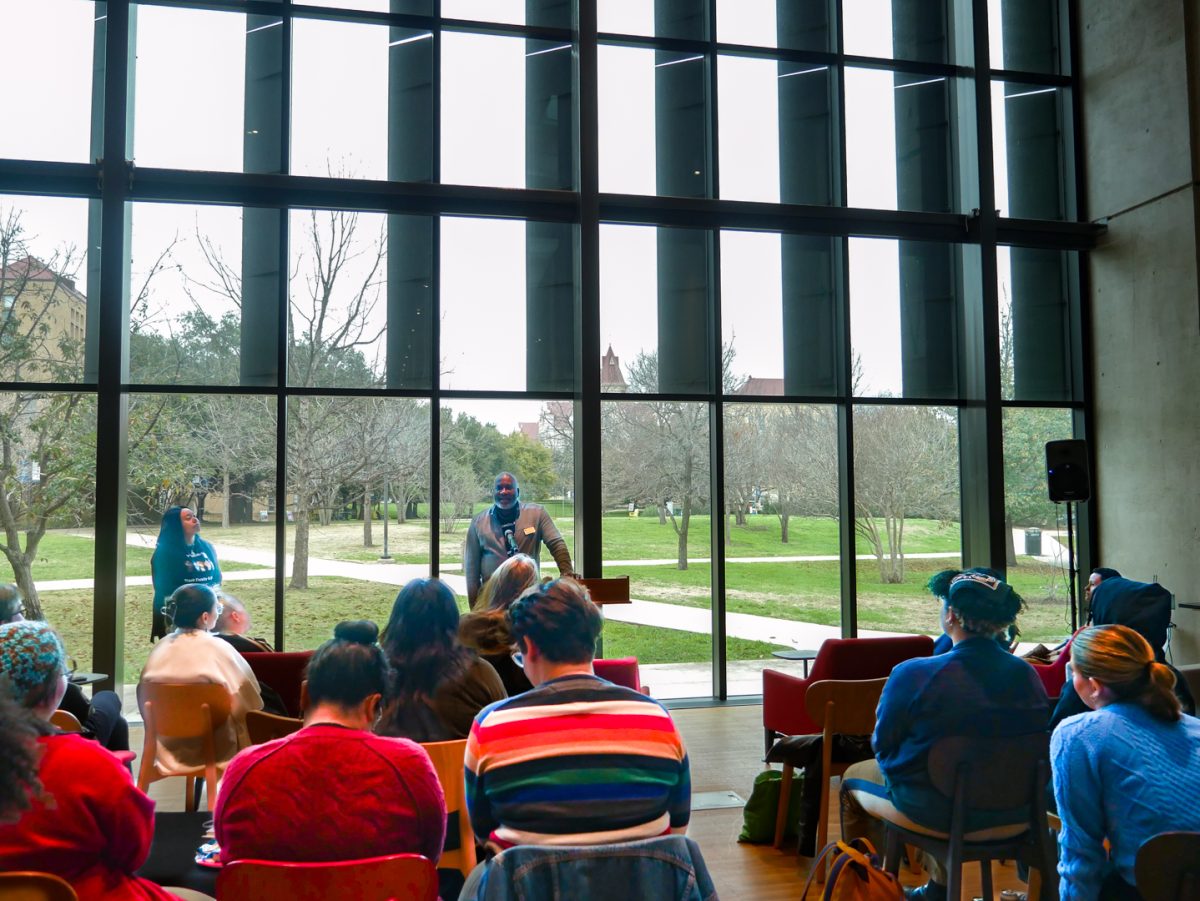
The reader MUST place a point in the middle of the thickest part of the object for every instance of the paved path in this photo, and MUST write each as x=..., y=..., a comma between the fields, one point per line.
x=640, y=612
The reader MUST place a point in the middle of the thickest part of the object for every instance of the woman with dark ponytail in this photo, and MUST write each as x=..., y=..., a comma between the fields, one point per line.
x=334, y=790
x=1125, y=772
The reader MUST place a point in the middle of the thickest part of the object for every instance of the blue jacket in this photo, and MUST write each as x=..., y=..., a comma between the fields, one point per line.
x=976, y=689
x=1122, y=774
x=668, y=868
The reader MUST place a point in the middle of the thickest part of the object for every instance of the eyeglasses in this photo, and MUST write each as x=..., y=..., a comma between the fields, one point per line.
x=519, y=659
x=220, y=608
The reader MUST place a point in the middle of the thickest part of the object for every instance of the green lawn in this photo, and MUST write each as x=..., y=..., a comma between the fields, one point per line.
x=312, y=614
x=625, y=538
x=62, y=555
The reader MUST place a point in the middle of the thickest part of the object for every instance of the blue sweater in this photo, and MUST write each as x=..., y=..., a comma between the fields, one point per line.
x=1122, y=774
x=976, y=689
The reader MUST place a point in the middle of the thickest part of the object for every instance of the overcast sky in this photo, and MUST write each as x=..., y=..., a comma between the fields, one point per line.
x=188, y=114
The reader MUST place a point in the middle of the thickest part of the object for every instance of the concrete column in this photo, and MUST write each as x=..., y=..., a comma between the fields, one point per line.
x=412, y=126
x=682, y=165
x=263, y=141
x=1139, y=65
x=550, y=258
x=925, y=180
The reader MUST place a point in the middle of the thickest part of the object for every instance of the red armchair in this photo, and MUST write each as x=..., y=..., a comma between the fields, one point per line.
x=784, y=711
x=620, y=671
x=283, y=671
x=1054, y=674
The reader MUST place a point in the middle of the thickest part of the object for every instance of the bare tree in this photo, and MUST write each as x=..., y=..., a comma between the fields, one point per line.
x=905, y=464
x=657, y=452
x=47, y=440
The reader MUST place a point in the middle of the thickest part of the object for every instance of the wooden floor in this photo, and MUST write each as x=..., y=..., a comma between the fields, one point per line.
x=725, y=748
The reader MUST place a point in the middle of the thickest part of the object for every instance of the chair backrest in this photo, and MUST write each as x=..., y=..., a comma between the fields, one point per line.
x=670, y=866
x=447, y=758
x=31, y=886
x=1168, y=867
x=264, y=727
x=998, y=772
x=65, y=721
x=283, y=671
x=867, y=658
x=184, y=710
x=619, y=671
x=853, y=701
x=396, y=877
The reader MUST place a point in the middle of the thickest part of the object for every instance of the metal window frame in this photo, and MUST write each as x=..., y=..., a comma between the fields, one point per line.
x=116, y=184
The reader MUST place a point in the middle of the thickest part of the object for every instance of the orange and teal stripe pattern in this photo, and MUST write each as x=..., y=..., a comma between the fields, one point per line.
x=576, y=760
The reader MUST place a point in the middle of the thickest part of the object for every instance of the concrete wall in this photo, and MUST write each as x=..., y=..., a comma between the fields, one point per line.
x=1139, y=63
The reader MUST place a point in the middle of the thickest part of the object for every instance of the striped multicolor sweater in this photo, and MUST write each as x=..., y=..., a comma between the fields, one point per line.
x=576, y=761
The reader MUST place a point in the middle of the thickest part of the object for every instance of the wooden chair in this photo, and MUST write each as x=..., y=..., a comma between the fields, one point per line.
x=66, y=721
x=1168, y=867
x=264, y=727
x=839, y=707
x=977, y=773
x=26, y=885
x=447, y=757
x=396, y=877
x=183, y=711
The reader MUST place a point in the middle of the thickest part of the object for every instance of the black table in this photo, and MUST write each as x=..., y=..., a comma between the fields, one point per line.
x=796, y=654
x=87, y=678
x=172, y=859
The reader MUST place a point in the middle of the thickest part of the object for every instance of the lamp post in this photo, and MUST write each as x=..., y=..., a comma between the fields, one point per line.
x=387, y=514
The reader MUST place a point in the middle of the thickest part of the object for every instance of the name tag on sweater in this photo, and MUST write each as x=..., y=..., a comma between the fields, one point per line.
x=529, y=530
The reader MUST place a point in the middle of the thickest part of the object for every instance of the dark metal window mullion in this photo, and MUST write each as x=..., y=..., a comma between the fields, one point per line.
x=435, y=326
x=108, y=599
x=283, y=267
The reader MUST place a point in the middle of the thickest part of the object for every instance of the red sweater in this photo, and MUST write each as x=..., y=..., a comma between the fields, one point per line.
x=92, y=827
x=330, y=793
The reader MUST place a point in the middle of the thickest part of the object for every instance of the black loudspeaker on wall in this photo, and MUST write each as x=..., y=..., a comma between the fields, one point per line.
x=1067, y=473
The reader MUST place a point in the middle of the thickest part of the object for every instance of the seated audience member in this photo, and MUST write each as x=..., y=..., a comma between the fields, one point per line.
x=939, y=586
x=437, y=685
x=486, y=628
x=78, y=813
x=1124, y=773
x=333, y=790
x=101, y=717
x=577, y=760
x=1144, y=607
x=234, y=623
x=924, y=700
x=191, y=653
x=1095, y=577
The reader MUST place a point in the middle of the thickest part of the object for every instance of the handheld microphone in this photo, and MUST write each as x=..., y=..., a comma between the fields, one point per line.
x=509, y=541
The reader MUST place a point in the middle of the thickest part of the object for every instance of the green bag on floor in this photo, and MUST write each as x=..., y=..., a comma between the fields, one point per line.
x=758, y=816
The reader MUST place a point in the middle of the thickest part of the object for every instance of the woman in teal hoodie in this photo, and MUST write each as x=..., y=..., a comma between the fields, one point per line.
x=181, y=557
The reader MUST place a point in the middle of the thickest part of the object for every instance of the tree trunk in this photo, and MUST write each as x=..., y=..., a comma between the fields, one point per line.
x=23, y=575
x=662, y=514
x=684, y=521
x=740, y=514
x=728, y=527
x=299, y=579
x=785, y=519
x=228, y=494
x=368, y=538
x=1010, y=546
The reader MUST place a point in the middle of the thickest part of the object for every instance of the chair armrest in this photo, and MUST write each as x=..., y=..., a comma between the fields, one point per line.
x=783, y=704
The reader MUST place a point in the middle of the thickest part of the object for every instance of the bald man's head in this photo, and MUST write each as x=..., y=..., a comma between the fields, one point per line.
x=234, y=619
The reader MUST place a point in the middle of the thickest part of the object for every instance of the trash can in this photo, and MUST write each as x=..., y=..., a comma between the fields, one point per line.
x=1033, y=542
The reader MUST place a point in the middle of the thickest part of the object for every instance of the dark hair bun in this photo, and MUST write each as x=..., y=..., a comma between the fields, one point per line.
x=359, y=631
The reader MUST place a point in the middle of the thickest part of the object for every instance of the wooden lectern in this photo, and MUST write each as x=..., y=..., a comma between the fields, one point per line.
x=607, y=591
